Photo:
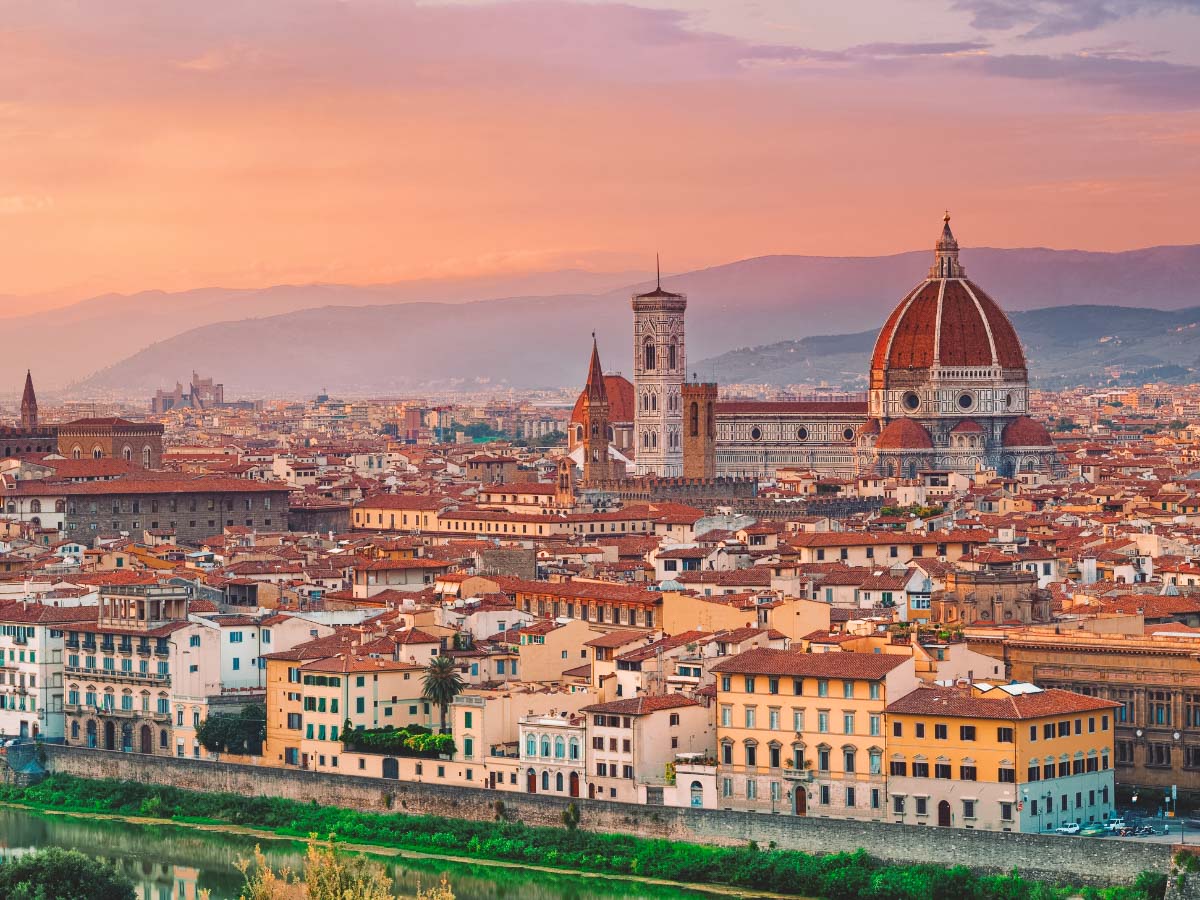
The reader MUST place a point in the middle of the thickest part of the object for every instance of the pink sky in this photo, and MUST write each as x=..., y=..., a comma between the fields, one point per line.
x=168, y=144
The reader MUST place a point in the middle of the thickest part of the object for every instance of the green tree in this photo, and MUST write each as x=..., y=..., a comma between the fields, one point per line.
x=58, y=874
x=242, y=733
x=442, y=684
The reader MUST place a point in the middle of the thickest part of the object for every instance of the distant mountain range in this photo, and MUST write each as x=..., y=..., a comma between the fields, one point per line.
x=415, y=337
x=1065, y=346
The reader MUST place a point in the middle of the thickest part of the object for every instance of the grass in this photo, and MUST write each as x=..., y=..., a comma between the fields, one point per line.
x=835, y=876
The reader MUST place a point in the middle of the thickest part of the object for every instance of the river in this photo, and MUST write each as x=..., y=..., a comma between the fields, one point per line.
x=171, y=862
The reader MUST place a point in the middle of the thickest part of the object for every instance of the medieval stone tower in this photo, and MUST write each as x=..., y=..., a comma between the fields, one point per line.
x=659, y=363
x=699, y=429
x=596, y=436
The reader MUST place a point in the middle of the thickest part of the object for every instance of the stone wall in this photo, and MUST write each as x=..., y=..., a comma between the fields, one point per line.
x=1075, y=859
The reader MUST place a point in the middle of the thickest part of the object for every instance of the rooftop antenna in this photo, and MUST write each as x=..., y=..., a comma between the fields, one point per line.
x=657, y=273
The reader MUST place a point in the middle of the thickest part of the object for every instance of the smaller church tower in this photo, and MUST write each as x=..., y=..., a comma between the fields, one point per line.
x=29, y=410
x=699, y=429
x=596, y=464
x=564, y=491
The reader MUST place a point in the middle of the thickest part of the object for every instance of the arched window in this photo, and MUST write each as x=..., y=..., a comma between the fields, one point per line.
x=145, y=457
x=531, y=746
x=694, y=419
x=653, y=403
x=558, y=782
x=162, y=739
x=545, y=781
x=574, y=748
x=672, y=356
x=97, y=453
x=74, y=731
x=545, y=746
x=127, y=453
x=560, y=748
x=76, y=452
x=60, y=506
x=648, y=355
x=35, y=506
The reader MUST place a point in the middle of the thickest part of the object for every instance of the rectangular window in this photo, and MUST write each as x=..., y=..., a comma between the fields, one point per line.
x=1004, y=735
x=940, y=732
x=966, y=773
x=941, y=770
x=966, y=732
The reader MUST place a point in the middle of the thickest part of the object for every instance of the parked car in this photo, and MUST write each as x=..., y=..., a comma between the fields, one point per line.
x=1115, y=824
x=1093, y=831
x=1068, y=828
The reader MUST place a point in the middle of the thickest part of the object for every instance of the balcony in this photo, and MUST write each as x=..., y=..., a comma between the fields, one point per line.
x=791, y=773
x=114, y=675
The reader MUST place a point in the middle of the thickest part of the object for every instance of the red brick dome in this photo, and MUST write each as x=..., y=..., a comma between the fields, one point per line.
x=967, y=426
x=951, y=322
x=1026, y=432
x=620, y=401
x=904, y=434
x=947, y=320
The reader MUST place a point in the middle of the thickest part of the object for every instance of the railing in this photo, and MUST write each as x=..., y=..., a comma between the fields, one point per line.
x=117, y=675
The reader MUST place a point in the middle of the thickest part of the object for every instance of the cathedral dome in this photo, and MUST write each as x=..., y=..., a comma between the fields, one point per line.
x=947, y=321
x=1026, y=432
x=620, y=401
x=904, y=434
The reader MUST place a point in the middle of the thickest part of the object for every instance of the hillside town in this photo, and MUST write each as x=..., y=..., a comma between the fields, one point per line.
x=982, y=611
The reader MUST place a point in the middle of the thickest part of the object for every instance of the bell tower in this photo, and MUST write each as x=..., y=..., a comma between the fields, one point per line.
x=596, y=464
x=659, y=364
x=29, y=410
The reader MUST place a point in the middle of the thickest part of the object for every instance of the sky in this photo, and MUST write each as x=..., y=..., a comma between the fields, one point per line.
x=164, y=144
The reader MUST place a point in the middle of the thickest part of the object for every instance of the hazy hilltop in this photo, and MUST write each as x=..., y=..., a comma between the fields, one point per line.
x=67, y=344
x=1064, y=346
x=361, y=340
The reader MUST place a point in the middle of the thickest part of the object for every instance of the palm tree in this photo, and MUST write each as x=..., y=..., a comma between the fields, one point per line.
x=442, y=684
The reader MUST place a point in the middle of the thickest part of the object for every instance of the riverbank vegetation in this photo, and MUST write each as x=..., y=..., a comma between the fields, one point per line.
x=58, y=874
x=328, y=874
x=836, y=876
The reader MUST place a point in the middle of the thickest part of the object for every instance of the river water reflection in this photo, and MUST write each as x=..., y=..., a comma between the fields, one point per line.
x=177, y=863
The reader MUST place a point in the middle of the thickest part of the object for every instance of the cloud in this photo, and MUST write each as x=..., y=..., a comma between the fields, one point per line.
x=1053, y=18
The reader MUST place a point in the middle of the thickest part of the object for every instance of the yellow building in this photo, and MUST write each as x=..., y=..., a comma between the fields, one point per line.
x=804, y=733
x=312, y=692
x=1010, y=757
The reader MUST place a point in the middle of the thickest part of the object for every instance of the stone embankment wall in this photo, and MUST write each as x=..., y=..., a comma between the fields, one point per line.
x=1081, y=860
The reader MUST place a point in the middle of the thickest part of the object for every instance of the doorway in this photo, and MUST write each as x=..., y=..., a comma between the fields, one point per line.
x=147, y=740
x=944, y=814
x=574, y=784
